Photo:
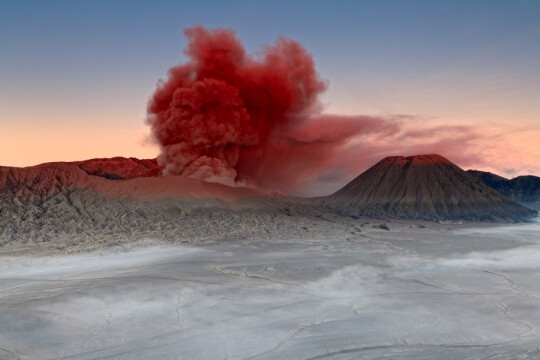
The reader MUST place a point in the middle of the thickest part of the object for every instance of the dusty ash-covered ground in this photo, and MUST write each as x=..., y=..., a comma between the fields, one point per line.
x=408, y=293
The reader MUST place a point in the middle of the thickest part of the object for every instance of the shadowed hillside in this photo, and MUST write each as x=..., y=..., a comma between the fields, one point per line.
x=522, y=189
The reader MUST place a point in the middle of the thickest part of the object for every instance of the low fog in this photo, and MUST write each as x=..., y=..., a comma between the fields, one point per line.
x=415, y=294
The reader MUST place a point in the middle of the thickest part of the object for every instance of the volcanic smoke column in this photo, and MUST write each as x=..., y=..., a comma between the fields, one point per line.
x=222, y=116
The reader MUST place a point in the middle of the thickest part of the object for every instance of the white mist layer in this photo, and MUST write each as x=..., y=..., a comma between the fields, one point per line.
x=410, y=295
x=31, y=267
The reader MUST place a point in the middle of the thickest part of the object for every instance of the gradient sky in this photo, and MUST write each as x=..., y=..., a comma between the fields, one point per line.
x=75, y=76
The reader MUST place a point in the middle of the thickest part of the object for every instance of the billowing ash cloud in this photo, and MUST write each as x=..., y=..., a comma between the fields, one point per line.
x=229, y=117
x=239, y=119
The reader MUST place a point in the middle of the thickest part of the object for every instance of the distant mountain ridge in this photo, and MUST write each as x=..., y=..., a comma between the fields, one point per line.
x=128, y=197
x=136, y=179
x=118, y=168
x=62, y=201
x=428, y=187
x=522, y=189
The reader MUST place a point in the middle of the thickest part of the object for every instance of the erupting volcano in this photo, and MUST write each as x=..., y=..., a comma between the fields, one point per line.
x=226, y=116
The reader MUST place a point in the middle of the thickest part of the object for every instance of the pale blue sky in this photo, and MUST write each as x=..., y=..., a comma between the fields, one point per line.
x=67, y=66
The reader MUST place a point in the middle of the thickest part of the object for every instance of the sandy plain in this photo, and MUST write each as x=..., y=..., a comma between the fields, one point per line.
x=416, y=291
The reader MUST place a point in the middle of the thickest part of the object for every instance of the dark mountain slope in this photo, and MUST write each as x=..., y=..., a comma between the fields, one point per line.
x=426, y=187
x=522, y=189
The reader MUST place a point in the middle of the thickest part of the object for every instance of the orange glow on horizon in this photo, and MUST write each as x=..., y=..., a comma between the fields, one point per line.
x=35, y=147
x=505, y=150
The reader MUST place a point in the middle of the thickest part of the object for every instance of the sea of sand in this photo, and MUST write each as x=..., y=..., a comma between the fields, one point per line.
x=415, y=291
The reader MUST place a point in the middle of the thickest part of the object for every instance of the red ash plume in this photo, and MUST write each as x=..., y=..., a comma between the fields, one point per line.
x=226, y=116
